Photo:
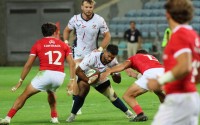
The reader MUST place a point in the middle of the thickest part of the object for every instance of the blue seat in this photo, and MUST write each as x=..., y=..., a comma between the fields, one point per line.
x=147, y=46
x=122, y=48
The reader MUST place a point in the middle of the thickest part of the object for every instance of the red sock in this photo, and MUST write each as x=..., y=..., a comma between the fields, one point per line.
x=54, y=114
x=12, y=112
x=137, y=109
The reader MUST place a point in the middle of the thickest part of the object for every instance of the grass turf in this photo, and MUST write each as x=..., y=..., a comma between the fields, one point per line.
x=97, y=109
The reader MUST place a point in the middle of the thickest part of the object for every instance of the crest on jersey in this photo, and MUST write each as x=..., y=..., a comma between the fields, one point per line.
x=51, y=42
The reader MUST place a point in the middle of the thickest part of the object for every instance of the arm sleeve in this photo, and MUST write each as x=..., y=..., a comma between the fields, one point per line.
x=103, y=26
x=71, y=23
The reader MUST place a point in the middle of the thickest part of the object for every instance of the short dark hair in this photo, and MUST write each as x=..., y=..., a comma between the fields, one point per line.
x=181, y=11
x=132, y=22
x=88, y=1
x=142, y=51
x=48, y=29
x=113, y=49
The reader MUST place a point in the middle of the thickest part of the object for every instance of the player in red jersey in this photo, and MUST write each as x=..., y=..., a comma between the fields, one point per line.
x=181, y=62
x=52, y=53
x=148, y=67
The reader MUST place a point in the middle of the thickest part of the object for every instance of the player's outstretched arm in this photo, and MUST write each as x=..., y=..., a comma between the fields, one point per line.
x=25, y=71
x=115, y=69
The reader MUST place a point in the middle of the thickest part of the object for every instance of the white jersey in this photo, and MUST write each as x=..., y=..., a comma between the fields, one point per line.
x=92, y=60
x=87, y=31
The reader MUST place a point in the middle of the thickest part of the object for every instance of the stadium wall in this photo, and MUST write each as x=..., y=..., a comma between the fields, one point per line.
x=17, y=35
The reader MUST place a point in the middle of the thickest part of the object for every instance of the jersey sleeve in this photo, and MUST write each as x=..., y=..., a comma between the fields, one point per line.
x=71, y=23
x=180, y=44
x=34, y=50
x=87, y=62
x=103, y=26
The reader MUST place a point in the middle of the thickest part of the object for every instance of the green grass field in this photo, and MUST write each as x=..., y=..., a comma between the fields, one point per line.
x=97, y=109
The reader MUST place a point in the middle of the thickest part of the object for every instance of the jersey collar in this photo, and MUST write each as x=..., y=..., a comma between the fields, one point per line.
x=87, y=20
x=182, y=26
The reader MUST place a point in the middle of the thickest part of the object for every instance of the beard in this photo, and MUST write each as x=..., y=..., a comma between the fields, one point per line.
x=88, y=14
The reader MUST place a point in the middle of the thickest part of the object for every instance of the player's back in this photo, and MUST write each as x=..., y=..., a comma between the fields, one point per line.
x=143, y=62
x=183, y=39
x=51, y=53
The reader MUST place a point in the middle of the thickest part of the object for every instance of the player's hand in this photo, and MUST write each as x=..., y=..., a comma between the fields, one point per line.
x=14, y=88
x=72, y=88
x=153, y=85
x=69, y=89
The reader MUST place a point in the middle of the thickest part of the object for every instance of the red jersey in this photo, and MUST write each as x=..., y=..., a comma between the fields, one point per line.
x=143, y=62
x=51, y=52
x=183, y=39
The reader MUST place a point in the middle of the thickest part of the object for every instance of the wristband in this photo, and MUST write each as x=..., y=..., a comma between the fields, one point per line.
x=100, y=49
x=21, y=80
x=167, y=77
x=66, y=41
x=112, y=74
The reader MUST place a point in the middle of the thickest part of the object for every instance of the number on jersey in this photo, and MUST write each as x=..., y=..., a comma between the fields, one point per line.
x=50, y=56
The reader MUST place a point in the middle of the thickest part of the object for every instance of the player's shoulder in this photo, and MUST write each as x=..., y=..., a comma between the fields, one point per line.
x=98, y=17
x=76, y=17
x=94, y=54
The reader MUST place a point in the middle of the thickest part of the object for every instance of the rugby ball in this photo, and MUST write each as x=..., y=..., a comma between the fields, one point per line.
x=93, y=75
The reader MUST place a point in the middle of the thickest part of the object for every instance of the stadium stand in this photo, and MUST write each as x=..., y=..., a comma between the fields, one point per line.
x=151, y=21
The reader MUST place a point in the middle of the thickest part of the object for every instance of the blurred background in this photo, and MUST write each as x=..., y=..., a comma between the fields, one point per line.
x=20, y=22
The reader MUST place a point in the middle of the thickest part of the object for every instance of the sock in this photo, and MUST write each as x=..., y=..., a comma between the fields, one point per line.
x=78, y=103
x=120, y=105
x=54, y=114
x=129, y=113
x=12, y=112
x=137, y=109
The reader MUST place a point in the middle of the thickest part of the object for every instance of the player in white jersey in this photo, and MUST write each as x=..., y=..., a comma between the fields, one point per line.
x=87, y=26
x=100, y=61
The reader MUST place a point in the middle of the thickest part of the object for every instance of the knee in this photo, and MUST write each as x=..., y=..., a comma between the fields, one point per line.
x=110, y=94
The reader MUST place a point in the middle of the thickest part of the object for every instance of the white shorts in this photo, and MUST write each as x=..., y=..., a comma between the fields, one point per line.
x=80, y=54
x=179, y=109
x=48, y=80
x=150, y=73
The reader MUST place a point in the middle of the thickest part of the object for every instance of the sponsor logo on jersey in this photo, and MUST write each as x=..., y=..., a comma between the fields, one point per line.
x=94, y=27
x=51, y=42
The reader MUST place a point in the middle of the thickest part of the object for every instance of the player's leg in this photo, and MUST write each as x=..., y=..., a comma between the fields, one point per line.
x=52, y=104
x=79, y=99
x=130, y=97
x=77, y=61
x=107, y=90
x=160, y=95
x=19, y=103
